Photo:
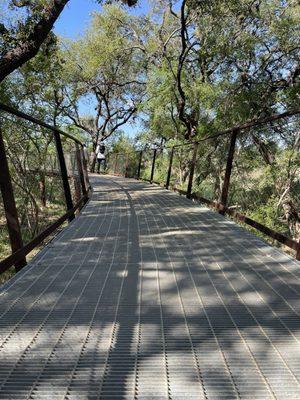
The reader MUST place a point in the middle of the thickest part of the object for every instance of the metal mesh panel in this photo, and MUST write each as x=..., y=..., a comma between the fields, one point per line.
x=148, y=296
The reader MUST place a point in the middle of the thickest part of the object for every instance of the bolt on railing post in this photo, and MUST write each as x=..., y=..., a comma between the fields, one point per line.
x=140, y=165
x=10, y=209
x=192, y=171
x=64, y=174
x=170, y=168
x=226, y=183
x=80, y=169
x=153, y=165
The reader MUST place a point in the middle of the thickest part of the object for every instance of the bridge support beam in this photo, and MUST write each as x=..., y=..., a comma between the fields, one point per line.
x=64, y=174
x=10, y=209
x=192, y=171
x=153, y=165
x=226, y=183
x=170, y=168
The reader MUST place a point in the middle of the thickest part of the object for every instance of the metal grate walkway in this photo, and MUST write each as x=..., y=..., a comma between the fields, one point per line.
x=148, y=296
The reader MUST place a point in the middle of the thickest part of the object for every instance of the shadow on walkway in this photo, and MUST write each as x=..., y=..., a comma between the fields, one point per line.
x=147, y=296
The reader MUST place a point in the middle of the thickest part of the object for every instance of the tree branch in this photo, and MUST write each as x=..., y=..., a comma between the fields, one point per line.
x=27, y=49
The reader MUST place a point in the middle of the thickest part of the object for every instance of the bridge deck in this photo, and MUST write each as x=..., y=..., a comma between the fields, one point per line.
x=148, y=296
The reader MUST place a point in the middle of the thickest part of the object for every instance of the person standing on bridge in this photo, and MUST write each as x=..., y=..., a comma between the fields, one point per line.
x=100, y=154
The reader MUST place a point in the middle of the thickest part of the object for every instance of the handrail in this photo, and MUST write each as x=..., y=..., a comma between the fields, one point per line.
x=235, y=128
x=247, y=125
x=222, y=205
x=291, y=243
x=19, y=255
x=21, y=114
x=19, y=250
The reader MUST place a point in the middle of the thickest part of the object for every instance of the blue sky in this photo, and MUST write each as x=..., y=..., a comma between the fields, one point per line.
x=75, y=18
x=73, y=22
x=77, y=14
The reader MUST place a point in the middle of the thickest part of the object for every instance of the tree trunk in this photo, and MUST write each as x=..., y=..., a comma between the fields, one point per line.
x=217, y=186
x=93, y=156
x=93, y=163
x=27, y=49
x=264, y=150
x=42, y=187
x=292, y=217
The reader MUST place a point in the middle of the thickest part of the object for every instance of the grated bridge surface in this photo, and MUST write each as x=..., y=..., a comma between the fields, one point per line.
x=148, y=296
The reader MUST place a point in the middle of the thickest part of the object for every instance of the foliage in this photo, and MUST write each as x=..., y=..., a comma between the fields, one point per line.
x=186, y=70
x=105, y=70
x=30, y=150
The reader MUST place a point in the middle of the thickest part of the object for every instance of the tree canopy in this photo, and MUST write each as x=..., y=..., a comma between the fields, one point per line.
x=185, y=70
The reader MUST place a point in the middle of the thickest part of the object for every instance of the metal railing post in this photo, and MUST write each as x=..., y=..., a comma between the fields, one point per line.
x=80, y=169
x=226, y=183
x=140, y=165
x=85, y=169
x=10, y=209
x=170, y=168
x=192, y=171
x=64, y=174
x=153, y=165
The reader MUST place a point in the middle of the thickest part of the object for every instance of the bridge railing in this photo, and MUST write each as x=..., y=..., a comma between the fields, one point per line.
x=161, y=164
x=66, y=169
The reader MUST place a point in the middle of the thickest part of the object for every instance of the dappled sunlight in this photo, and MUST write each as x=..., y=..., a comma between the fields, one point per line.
x=123, y=125
x=140, y=303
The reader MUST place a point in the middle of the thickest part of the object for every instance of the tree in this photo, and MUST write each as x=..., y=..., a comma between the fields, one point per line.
x=218, y=64
x=22, y=42
x=221, y=63
x=108, y=75
x=32, y=89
